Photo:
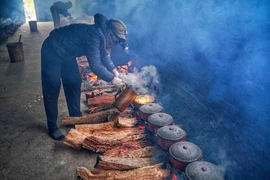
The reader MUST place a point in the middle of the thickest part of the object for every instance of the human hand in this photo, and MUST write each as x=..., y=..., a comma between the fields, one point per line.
x=115, y=72
x=118, y=83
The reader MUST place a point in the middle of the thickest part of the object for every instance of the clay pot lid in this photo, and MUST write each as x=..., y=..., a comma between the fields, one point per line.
x=171, y=132
x=185, y=151
x=160, y=119
x=200, y=170
x=151, y=108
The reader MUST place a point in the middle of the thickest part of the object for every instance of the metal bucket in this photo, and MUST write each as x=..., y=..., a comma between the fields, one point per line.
x=15, y=51
x=33, y=26
x=124, y=98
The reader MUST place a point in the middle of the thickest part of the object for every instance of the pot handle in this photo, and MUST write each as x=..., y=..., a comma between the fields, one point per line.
x=117, y=94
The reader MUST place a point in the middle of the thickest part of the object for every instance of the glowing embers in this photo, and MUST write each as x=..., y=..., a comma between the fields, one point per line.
x=124, y=68
x=90, y=77
x=93, y=77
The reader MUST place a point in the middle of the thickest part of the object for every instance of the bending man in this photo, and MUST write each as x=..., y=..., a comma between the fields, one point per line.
x=58, y=63
x=60, y=8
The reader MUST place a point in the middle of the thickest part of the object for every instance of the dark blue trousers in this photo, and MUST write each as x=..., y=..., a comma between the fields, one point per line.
x=54, y=70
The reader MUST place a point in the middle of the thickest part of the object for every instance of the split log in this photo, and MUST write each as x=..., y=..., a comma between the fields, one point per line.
x=99, y=92
x=115, y=163
x=154, y=172
x=102, y=141
x=118, y=133
x=131, y=152
x=95, y=118
x=95, y=109
x=122, y=121
x=89, y=128
x=75, y=139
x=100, y=100
x=96, y=174
x=106, y=128
x=126, y=147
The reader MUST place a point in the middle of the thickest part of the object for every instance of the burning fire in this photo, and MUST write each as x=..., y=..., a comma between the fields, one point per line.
x=124, y=68
x=141, y=127
x=93, y=77
x=144, y=99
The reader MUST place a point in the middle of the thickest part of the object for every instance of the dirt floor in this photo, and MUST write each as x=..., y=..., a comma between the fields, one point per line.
x=26, y=151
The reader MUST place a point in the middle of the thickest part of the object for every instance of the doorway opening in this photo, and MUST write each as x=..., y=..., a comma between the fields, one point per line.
x=29, y=10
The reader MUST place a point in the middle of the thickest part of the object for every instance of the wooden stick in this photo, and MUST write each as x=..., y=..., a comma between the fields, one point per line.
x=20, y=38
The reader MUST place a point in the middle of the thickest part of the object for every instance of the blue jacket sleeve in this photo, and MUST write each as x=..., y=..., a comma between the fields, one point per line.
x=107, y=62
x=94, y=59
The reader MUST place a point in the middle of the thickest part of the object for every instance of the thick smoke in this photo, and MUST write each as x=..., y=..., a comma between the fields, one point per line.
x=217, y=53
x=144, y=81
x=214, y=56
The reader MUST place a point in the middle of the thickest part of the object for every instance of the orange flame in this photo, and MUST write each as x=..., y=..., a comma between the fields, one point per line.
x=141, y=127
x=124, y=68
x=93, y=77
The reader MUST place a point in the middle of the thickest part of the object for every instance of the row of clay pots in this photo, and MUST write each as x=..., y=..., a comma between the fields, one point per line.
x=183, y=155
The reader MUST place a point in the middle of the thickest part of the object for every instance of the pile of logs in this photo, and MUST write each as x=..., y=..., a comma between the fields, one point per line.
x=125, y=150
x=7, y=28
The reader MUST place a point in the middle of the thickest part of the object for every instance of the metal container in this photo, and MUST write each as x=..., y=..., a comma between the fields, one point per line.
x=33, y=26
x=141, y=100
x=184, y=153
x=15, y=51
x=148, y=109
x=201, y=170
x=124, y=98
x=168, y=135
x=158, y=120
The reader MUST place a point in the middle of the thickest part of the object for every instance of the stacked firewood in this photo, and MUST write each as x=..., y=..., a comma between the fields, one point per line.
x=125, y=150
x=7, y=28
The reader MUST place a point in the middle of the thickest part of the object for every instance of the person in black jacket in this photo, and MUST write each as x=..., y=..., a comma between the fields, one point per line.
x=60, y=8
x=58, y=63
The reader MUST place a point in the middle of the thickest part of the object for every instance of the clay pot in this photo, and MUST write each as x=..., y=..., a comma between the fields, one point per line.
x=203, y=170
x=141, y=100
x=184, y=153
x=148, y=109
x=158, y=120
x=168, y=135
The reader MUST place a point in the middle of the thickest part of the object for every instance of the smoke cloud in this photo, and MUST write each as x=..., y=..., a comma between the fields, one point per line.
x=144, y=81
x=213, y=60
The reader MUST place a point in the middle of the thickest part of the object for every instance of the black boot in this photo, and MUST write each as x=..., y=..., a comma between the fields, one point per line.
x=57, y=135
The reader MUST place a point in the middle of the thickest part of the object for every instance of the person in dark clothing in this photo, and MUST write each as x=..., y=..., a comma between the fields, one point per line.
x=58, y=63
x=60, y=8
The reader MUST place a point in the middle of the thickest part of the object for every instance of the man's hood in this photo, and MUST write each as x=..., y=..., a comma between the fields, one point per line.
x=100, y=21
